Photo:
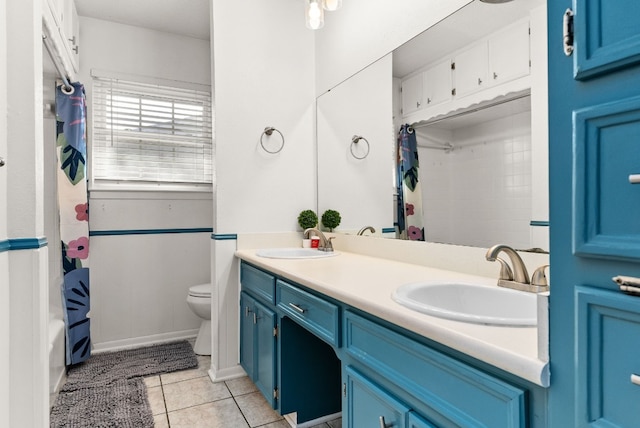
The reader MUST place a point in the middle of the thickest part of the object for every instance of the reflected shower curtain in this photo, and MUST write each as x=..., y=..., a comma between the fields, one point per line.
x=410, y=223
x=71, y=112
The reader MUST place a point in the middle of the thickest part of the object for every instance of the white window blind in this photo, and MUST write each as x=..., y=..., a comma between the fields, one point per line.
x=150, y=133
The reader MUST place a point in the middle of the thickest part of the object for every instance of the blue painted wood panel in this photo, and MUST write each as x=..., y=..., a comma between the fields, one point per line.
x=452, y=390
x=606, y=204
x=247, y=336
x=367, y=402
x=265, y=373
x=607, y=36
x=593, y=236
x=260, y=283
x=417, y=421
x=315, y=314
x=608, y=346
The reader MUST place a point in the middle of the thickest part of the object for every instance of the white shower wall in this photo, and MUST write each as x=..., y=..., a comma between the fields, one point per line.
x=480, y=193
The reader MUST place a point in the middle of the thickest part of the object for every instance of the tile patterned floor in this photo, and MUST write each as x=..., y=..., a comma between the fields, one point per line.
x=189, y=399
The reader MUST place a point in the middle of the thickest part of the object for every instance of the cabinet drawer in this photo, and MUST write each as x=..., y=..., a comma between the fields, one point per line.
x=608, y=343
x=258, y=282
x=315, y=314
x=450, y=389
x=369, y=405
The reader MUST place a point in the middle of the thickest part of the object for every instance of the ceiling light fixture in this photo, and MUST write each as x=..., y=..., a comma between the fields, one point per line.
x=314, y=11
x=332, y=4
x=314, y=14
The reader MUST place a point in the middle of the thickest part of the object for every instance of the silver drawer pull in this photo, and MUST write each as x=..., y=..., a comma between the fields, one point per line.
x=1, y=162
x=297, y=308
x=383, y=424
x=634, y=178
x=635, y=379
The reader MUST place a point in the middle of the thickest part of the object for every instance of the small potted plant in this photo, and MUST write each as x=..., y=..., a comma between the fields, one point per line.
x=307, y=219
x=331, y=219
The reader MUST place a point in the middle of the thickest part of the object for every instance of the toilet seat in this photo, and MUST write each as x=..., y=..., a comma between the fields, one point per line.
x=201, y=290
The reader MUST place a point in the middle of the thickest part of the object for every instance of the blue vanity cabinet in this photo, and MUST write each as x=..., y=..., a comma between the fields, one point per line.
x=258, y=328
x=440, y=390
x=594, y=159
x=258, y=355
x=608, y=367
x=369, y=405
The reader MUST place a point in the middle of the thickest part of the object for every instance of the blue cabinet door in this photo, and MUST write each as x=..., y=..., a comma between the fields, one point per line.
x=594, y=146
x=368, y=405
x=265, y=374
x=247, y=345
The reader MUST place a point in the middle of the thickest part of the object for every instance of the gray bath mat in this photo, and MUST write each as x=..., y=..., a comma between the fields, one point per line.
x=108, y=390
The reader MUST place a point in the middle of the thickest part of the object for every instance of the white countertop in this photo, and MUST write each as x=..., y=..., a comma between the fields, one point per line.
x=367, y=283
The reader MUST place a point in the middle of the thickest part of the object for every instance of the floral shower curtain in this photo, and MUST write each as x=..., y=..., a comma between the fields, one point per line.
x=410, y=223
x=71, y=112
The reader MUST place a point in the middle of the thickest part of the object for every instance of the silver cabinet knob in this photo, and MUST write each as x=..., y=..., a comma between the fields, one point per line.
x=1, y=162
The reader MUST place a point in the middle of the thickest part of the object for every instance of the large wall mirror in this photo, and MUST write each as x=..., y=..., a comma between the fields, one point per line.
x=472, y=90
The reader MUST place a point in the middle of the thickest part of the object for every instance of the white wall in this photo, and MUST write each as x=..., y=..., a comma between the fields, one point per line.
x=480, y=193
x=24, y=289
x=363, y=31
x=5, y=332
x=140, y=282
x=360, y=189
x=264, y=76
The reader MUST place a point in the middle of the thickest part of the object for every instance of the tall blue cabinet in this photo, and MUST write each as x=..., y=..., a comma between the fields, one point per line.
x=594, y=137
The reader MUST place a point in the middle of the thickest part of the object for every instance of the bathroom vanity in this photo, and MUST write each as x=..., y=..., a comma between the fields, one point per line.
x=320, y=336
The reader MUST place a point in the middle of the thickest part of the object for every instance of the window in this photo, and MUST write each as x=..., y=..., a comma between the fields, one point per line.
x=150, y=133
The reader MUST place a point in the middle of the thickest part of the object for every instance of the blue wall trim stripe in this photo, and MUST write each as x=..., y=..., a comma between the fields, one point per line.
x=22, y=244
x=538, y=223
x=148, y=231
x=388, y=230
x=224, y=236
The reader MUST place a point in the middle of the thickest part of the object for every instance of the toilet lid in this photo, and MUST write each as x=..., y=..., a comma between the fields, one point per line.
x=202, y=290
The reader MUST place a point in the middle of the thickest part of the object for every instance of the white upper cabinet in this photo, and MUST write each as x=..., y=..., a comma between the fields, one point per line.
x=70, y=31
x=412, y=98
x=60, y=19
x=490, y=67
x=436, y=85
x=471, y=70
x=509, y=53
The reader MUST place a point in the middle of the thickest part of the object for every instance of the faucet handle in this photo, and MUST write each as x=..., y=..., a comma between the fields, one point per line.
x=505, y=271
x=328, y=246
x=539, y=278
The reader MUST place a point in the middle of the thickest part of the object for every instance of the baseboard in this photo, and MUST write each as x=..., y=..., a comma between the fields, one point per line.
x=291, y=419
x=226, y=374
x=137, y=342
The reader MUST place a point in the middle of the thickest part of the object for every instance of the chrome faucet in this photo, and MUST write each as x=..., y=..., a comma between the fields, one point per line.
x=516, y=276
x=364, y=229
x=325, y=244
x=519, y=272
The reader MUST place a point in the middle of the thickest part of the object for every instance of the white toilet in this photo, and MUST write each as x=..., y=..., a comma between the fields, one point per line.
x=199, y=300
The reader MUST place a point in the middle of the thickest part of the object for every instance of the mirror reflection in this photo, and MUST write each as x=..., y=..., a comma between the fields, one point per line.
x=471, y=166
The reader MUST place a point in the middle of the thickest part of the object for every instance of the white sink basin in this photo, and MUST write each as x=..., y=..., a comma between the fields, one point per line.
x=478, y=304
x=294, y=253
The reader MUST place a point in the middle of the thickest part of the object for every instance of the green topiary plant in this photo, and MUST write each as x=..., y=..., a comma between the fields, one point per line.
x=331, y=219
x=307, y=219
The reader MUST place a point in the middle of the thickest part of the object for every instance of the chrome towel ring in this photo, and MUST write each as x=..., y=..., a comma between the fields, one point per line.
x=268, y=131
x=354, y=142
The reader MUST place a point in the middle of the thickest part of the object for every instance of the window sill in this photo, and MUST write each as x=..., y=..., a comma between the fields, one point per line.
x=150, y=191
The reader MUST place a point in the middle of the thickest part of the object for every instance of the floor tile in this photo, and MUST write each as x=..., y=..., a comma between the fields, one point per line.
x=336, y=423
x=156, y=400
x=179, y=376
x=219, y=414
x=256, y=409
x=241, y=386
x=322, y=425
x=152, y=381
x=161, y=421
x=193, y=392
x=279, y=424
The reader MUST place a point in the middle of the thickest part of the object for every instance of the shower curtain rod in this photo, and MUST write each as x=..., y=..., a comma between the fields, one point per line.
x=57, y=65
x=473, y=110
